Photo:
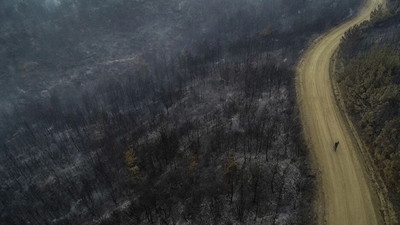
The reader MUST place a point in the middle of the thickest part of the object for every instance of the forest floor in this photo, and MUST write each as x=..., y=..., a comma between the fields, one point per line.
x=346, y=196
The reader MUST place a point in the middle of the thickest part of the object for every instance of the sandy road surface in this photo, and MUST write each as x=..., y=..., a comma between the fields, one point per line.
x=346, y=195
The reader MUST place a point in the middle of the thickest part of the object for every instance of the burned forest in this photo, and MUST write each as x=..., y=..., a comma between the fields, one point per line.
x=156, y=112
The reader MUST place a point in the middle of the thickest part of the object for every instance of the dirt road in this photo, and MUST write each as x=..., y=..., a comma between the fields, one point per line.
x=346, y=195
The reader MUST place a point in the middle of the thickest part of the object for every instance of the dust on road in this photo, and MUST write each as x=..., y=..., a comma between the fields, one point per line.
x=347, y=197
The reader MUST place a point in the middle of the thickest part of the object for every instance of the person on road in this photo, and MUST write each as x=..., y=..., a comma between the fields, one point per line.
x=336, y=145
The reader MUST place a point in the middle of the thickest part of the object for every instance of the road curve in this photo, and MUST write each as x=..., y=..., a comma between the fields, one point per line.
x=346, y=195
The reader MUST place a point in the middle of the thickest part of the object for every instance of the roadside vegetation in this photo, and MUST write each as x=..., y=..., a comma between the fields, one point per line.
x=369, y=78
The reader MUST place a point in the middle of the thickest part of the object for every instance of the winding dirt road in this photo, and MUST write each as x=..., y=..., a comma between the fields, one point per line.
x=346, y=194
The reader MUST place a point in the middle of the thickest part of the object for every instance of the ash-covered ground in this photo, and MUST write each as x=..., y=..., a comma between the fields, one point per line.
x=155, y=112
